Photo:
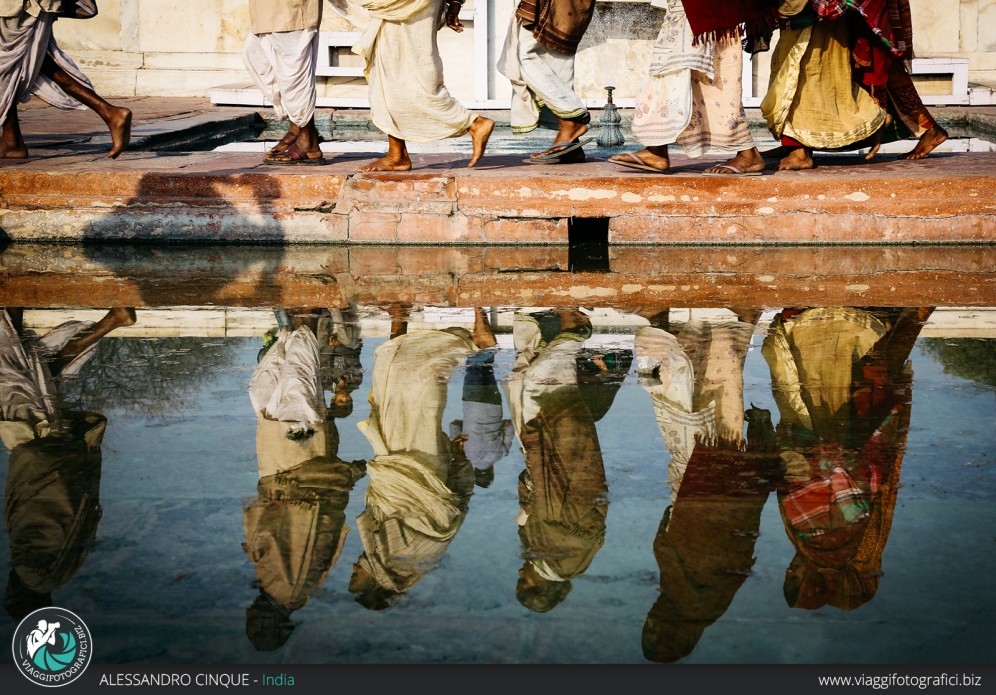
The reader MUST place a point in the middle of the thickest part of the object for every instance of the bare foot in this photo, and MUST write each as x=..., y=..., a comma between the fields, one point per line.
x=928, y=141
x=480, y=131
x=747, y=161
x=120, y=126
x=482, y=334
x=121, y=316
x=798, y=159
x=389, y=162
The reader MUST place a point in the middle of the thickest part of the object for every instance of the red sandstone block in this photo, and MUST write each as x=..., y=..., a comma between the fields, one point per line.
x=439, y=229
x=372, y=226
x=366, y=261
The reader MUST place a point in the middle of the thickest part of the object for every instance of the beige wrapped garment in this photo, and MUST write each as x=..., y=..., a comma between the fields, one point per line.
x=693, y=94
x=540, y=76
x=408, y=99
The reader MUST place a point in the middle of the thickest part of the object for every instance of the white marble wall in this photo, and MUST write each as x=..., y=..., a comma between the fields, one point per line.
x=186, y=47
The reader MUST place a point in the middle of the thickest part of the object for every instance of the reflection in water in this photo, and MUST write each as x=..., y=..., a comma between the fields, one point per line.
x=562, y=492
x=795, y=496
x=420, y=479
x=842, y=383
x=296, y=527
x=719, y=483
x=52, y=504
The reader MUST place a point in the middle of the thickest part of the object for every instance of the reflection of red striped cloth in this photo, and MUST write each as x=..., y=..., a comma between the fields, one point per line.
x=718, y=18
x=822, y=503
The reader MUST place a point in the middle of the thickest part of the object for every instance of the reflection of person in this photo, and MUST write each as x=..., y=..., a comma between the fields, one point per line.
x=408, y=100
x=693, y=96
x=296, y=526
x=281, y=56
x=33, y=65
x=488, y=436
x=420, y=480
x=719, y=481
x=562, y=491
x=538, y=59
x=340, y=343
x=53, y=483
x=842, y=382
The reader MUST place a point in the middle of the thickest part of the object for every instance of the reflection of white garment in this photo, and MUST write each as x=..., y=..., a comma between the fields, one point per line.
x=28, y=395
x=283, y=65
x=697, y=390
x=286, y=385
x=540, y=76
x=408, y=99
x=25, y=41
x=411, y=514
x=540, y=369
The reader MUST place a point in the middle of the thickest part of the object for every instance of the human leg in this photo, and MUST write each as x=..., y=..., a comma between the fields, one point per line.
x=117, y=118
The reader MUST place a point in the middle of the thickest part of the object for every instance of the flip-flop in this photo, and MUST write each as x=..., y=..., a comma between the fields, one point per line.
x=558, y=156
x=293, y=155
x=733, y=171
x=635, y=163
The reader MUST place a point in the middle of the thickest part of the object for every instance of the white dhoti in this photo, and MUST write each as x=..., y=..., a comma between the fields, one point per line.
x=25, y=41
x=283, y=64
x=693, y=94
x=408, y=99
x=540, y=77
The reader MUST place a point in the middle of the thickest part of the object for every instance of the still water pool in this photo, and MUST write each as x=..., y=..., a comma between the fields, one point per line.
x=506, y=484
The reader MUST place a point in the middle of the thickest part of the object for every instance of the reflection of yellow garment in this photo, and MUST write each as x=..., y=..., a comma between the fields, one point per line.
x=296, y=527
x=811, y=96
x=811, y=357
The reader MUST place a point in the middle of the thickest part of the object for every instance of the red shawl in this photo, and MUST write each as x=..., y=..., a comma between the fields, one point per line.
x=719, y=18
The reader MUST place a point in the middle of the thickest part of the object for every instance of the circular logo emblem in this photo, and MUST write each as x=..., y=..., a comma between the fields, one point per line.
x=52, y=647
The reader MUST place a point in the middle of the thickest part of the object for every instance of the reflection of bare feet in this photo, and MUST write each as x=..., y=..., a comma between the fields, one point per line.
x=480, y=131
x=747, y=161
x=746, y=315
x=928, y=141
x=120, y=126
x=121, y=316
x=389, y=162
x=798, y=159
x=483, y=336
